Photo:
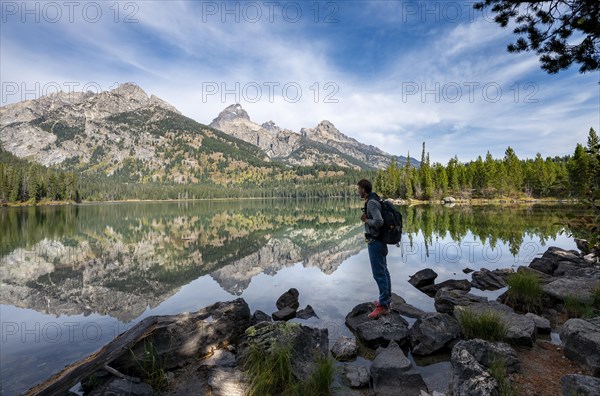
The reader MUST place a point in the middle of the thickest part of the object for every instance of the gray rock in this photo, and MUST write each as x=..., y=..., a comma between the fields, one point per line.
x=469, y=378
x=485, y=279
x=356, y=376
x=286, y=313
x=391, y=373
x=579, y=288
x=447, y=299
x=259, y=316
x=581, y=385
x=403, y=308
x=306, y=313
x=306, y=342
x=379, y=332
x=220, y=357
x=545, y=266
x=485, y=352
x=557, y=254
x=345, y=348
x=581, y=340
x=449, y=200
x=227, y=382
x=521, y=329
x=453, y=284
x=467, y=270
x=289, y=299
x=432, y=333
x=422, y=278
x=570, y=269
x=211, y=328
x=541, y=324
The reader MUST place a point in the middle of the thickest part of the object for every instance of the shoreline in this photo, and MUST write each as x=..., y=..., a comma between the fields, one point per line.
x=410, y=202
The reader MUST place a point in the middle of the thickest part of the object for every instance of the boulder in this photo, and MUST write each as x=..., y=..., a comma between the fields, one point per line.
x=570, y=269
x=545, y=266
x=521, y=329
x=379, y=332
x=449, y=200
x=485, y=279
x=356, y=376
x=345, y=348
x=221, y=358
x=581, y=340
x=542, y=325
x=403, y=308
x=467, y=270
x=283, y=314
x=259, y=316
x=581, y=385
x=306, y=313
x=289, y=299
x=306, y=342
x=392, y=373
x=432, y=333
x=422, y=278
x=447, y=299
x=452, y=284
x=485, y=352
x=578, y=288
x=469, y=377
x=211, y=328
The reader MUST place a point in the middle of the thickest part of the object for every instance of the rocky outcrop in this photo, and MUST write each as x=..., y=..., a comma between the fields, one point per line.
x=392, y=373
x=564, y=288
x=379, y=332
x=432, y=333
x=306, y=343
x=581, y=340
x=470, y=378
x=485, y=279
x=452, y=284
x=447, y=299
x=581, y=385
x=356, y=376
x=345, y=348
x=521, y=329
x=486, y=353
x=422, y=278
x=213, y=327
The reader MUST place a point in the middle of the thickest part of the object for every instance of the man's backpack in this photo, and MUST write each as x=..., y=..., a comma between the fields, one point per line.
x=391, y=231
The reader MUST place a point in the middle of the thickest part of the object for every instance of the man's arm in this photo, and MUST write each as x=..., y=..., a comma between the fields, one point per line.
x=374, y=210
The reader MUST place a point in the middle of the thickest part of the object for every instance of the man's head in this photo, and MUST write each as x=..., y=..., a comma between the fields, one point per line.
x=364, y=188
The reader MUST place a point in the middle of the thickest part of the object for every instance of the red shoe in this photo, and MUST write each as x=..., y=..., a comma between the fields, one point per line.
x=378, y=311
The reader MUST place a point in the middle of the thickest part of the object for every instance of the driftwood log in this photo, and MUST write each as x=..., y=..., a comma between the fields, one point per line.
x=173, y=339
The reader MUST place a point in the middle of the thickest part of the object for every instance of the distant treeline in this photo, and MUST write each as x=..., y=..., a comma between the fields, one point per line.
x=568, y=176
x=25, y=181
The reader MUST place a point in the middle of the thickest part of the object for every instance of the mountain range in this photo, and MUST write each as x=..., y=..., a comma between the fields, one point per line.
x=140, y=138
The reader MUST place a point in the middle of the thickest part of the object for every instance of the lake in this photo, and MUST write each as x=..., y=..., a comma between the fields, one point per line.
x=74, y=277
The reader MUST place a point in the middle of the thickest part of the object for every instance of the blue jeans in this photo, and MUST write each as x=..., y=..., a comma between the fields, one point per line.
x=378, y=251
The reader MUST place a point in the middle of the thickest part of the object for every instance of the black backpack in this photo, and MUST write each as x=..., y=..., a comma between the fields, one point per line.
x=391, y=232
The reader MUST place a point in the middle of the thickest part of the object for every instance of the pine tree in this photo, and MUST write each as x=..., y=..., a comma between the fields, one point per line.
x=579, y=171
x=514, y=170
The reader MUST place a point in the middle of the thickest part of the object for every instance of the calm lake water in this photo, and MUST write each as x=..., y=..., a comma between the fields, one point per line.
x=74, y=277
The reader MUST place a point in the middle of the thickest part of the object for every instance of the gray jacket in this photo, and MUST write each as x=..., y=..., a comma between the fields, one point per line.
x=374, y=219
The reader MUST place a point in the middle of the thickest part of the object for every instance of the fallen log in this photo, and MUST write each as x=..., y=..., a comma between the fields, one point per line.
x=174, y=338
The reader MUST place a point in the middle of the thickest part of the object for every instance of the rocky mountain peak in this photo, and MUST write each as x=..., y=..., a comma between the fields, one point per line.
x=324, y=131
x=230, y=113
x=271, y=127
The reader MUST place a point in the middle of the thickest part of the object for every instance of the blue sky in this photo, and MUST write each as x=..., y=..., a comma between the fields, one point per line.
x=388, y=73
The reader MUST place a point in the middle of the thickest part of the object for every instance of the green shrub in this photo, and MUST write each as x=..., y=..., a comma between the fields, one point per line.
x=524, y=291
x=270, y=373
x=487, y=325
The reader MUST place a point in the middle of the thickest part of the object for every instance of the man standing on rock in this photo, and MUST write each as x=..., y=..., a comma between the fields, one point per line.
x=377, y=248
